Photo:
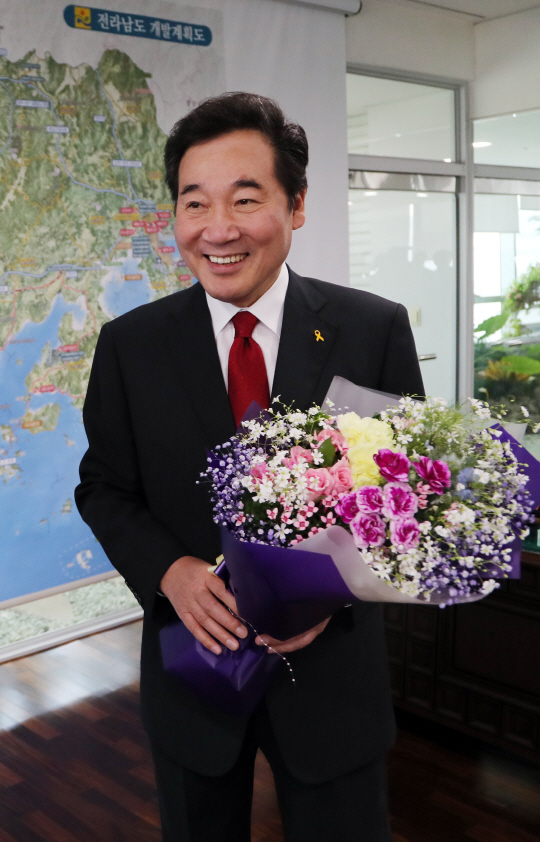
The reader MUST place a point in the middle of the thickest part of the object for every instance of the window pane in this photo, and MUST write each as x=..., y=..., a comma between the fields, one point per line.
x=512, y=140
x=403, y=247
x=507, y=304
x=399, y=119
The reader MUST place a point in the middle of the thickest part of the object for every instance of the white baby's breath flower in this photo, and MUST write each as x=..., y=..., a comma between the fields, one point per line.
x=489, y=585
x=296, y=433
x=442, y=531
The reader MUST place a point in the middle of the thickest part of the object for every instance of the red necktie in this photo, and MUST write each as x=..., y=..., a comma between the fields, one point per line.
x=248, y=380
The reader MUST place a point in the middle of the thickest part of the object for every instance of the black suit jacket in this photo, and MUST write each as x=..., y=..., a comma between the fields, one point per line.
x=156, y=400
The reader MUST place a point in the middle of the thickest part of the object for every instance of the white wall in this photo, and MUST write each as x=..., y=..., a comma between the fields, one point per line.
x=507, y=64
x=412, y=37
x=297, y=56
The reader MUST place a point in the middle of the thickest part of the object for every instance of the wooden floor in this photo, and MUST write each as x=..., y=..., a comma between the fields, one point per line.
x=74, y=762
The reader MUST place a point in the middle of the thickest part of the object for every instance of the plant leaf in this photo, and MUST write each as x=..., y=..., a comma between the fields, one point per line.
x=328, y=451
x=492, y=325
x=521, y=365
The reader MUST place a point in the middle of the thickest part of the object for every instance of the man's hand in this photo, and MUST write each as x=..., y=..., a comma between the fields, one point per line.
x=294, y=643
x=197, y=596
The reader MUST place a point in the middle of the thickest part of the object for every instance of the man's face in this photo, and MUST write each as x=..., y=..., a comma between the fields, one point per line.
x=233, y=226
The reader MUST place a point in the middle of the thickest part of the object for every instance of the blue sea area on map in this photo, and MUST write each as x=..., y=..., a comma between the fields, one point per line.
x=120, y=296
x=42, y=546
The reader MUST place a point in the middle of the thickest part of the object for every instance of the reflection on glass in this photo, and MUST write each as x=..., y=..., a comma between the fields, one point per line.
x=512, y=140
x=403, y=247
x=507, y=304
x=399, y=119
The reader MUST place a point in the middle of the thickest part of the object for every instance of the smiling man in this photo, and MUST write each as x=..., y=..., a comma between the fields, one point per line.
x=235, y=232
x=173, y=378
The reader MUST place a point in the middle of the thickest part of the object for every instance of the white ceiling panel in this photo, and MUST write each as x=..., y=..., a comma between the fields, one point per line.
x=486, y=9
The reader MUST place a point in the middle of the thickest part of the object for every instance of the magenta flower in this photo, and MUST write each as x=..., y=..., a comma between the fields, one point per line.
x=347, y=507
x=399, y=500
x=341, y=472
x=368, y=531
x=405, y=533
x=369, y=499
x=437, y=474
x=394, y=467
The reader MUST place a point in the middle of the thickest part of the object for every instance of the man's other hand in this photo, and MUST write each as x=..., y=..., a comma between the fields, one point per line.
x=294, y=643
x=197, y=595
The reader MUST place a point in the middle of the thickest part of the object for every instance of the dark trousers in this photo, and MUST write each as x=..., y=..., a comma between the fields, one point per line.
x=198, y=808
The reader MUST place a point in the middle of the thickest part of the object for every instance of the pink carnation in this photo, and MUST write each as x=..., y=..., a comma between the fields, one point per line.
x=259, y=470
x=347, y=507
x=338, y=440
x=399, y=500
x=437, y=474
x=297, y=453
x=369, y=499
x=320, y=483
x=341, y=472
x=405, y=533
x=368, y=531
x=393, y=467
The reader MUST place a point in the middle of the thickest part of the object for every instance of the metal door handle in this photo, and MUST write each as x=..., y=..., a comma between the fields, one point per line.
x=423, y=357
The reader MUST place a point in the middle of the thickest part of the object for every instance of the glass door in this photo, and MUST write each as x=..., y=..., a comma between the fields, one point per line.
x=409, y=180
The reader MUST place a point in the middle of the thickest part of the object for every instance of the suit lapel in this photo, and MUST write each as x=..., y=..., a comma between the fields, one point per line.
x=191, y=342
x=302, y=356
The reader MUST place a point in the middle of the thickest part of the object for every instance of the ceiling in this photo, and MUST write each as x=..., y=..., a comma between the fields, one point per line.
x=485, y=9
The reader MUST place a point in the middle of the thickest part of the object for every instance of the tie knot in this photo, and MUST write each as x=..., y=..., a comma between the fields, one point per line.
x=244, y=323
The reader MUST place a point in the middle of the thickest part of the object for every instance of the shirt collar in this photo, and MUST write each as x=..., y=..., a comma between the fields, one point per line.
x=268, y=308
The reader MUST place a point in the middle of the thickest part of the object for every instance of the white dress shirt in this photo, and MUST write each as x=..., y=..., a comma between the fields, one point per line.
x=268, y=309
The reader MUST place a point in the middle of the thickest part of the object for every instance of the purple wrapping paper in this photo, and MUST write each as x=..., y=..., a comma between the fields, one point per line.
x=282, y=592
x=276, y=593
x=531, y=466
x=235, y=682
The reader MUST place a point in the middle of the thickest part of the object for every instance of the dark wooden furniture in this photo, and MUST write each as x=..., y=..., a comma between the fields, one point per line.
x=474, y=667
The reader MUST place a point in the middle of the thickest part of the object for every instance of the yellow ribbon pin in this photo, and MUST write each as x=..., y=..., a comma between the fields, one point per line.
x=318, y=336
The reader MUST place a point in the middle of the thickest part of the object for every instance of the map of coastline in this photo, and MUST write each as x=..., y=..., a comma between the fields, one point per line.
x=86, y=234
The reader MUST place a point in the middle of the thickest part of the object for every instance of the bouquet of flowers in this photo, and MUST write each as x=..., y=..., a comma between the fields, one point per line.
x=432, y=498
x=414, y=502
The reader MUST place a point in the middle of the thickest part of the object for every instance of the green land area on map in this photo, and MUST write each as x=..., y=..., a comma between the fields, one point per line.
x=62, y=233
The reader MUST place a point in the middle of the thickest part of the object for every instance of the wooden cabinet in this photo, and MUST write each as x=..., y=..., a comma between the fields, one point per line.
x=474, y=667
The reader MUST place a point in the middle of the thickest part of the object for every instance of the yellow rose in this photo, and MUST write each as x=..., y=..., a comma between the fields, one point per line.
x=365, y=431
x=364, y=471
